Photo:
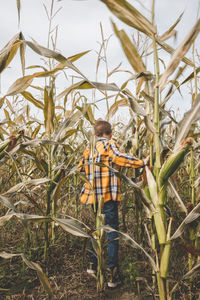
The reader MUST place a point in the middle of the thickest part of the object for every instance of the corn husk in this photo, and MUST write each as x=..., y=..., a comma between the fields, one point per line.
x=174, y=161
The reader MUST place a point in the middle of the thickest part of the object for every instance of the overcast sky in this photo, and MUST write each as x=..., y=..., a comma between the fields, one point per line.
x=79, y=30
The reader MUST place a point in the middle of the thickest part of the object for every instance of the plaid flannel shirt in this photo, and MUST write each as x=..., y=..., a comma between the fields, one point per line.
x=105, y=183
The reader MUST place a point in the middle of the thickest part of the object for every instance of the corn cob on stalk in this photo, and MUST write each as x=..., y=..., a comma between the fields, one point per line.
x=174, y=161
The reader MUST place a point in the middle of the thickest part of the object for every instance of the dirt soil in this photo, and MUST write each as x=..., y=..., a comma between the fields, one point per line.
x=66, y=272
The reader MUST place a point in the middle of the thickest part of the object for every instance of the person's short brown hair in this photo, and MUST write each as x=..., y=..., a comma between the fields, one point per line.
x=102, y=127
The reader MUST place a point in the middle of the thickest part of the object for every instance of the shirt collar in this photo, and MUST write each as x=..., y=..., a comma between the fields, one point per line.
x=100, y=138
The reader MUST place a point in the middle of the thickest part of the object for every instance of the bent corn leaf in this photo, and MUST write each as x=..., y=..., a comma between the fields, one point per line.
x=43, y=279
x=189, y=118
x=7, y=202
x=192, y=216
x=53, y=54
x=84, y=84
x=113, y=109
x=31, y=99
x=72, y=226
x=137, y=108
x=133, y=243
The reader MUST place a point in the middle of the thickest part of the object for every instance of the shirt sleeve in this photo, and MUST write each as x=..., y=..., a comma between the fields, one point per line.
x=123, y=159
x=80, y=166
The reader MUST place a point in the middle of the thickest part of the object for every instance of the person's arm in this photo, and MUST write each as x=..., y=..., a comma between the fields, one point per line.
x=80, y=166
x=123, y=159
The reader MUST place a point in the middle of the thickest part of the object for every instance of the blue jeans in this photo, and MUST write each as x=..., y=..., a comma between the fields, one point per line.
x=111, y=218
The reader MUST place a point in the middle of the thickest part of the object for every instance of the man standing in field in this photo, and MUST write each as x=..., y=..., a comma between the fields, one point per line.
x=104, y=184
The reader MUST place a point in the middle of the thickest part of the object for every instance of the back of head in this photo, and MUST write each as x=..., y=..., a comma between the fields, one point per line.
x=102, y=128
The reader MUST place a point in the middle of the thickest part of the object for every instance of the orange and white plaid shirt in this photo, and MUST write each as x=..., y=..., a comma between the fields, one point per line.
x=102, y=182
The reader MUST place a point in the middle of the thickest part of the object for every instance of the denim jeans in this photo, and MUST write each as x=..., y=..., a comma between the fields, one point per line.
x=111, y=218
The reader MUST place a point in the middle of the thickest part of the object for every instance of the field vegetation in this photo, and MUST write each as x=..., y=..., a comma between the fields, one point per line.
x=44, y=229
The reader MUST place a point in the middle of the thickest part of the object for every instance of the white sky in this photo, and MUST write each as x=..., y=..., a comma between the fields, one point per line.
x=79, y=30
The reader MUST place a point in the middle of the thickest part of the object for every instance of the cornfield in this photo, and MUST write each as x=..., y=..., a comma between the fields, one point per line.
x=44, y=228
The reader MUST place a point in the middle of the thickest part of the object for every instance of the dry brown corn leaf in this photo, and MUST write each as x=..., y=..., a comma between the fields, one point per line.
x=179, y=54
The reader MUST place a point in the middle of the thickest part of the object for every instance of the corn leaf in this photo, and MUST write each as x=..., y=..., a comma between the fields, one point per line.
x=72, y=226
x=84, y=84
x=113, y=109
x=170, y=32
x=179, y=54
x=149, y=124
x=192, y=272
x=191, y=217
x=31, y=182
x=178, y=200
x=77, y=56
x=87, y=112
x=31, y=99
x=5, y=219
x=191, y=76
x=53, y=54
x=137, y=108
x=130, y=15
x=130, y=50
x=49, y=110
x=133, y=243
x=43, y=279
x=171, y=50
x=22, y=53
x=8, y=255
x=19, y=85
x=18, y=10
x=33, y=218
x=189, y=118
x=7, y=202
x=9, y=52
x=174, y=86
x=151, y=100
x=129, y=182
x=152, y=186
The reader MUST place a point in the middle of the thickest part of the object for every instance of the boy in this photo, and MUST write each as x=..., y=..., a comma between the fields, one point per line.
x=107, y=186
